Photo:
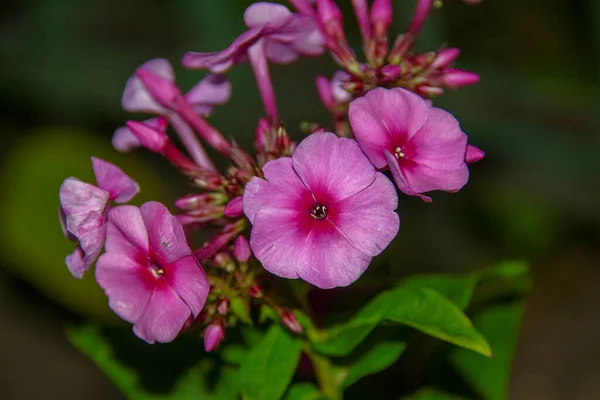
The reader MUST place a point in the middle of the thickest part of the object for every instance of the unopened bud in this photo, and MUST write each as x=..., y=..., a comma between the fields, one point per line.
x=289, y=319
x=256, y=292
x=456, y=78
x=223, y=307
x=390, y=72
x=198, y=200
x=473, y=154
x=444, y=58
x=234, y=208
x=213, y=336
x=430, y=91
x=242, y=250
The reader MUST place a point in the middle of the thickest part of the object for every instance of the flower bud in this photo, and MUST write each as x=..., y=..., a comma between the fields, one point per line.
x=390, y=72
x=234, y=208
x=242, y=251
x=223, y=307
x=151, y=138
x=199, y=200
x=256, y=292
x=429, y=91
x=473, y=154
x=444, y=58
x=213, y=335
x=456, y=78
x=289, y=319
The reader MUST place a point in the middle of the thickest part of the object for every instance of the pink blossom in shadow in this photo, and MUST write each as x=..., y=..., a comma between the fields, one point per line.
x=149, y=273
x=286, y=36
x=83, y=209
x=422, y=145
x=321, y=215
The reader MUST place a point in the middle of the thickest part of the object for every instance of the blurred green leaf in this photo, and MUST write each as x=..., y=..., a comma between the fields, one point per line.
x=32, y=242
x=489, y=377
x=190, y=385
x=456, y=288
x=422, y=309
x=269, y=367
x=241, y=310
x=380, y=357
x=304, y=391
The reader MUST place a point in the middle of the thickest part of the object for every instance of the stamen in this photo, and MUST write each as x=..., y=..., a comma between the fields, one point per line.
x=399, y=154
x=156, y=270
x=319, y=211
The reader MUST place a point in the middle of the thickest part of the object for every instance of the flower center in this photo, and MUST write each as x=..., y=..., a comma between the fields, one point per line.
x=319, y=211
x=156, y=270
x=399, y=154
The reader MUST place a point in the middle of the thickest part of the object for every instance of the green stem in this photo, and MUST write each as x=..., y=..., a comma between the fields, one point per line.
x=324, y=373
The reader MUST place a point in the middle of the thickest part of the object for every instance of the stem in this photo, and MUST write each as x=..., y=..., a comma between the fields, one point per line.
x=191, y=143
x=324, y=373
x=258, y=60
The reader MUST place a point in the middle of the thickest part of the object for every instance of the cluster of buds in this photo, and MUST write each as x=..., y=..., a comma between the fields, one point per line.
x=319, y=210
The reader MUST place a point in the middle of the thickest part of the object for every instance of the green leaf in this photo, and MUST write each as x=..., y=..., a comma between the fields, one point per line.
x=378, y=358
x=190, y=384
x=432, y=394
x=433, y=314
x=240, y=309
x=489, y=377
x=267, y=371
x=422, y=309
x=456, y=288
x=304, y=391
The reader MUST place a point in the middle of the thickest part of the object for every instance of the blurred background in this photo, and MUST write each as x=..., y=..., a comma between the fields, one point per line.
x=535, y=197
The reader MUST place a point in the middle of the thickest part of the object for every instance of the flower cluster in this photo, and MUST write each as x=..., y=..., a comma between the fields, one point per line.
x=318, y=210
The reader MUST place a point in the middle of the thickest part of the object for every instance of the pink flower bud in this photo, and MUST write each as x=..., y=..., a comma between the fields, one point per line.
x=234, y=208
x=161, y=89
x=289, y=319
x=444, y=58
x=381, y=12
x=456, y=78
x=256, y=292
x=151, y=138
x=429, y=91
x=223, y=307
x=390, y=72
x=329, y=12
x=213, y=336
x=361, y=9
x=198, y=200
x=242, y=250
x=473, y=154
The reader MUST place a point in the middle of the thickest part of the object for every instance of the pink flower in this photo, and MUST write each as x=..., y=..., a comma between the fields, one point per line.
x=285, y=36
x=149, y=273
x=423, y=146
x=213, y=335
x=321, y=215
x=203, y=97
x=83, y=210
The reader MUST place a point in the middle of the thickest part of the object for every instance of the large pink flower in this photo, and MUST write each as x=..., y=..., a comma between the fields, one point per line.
x=423, y=146
x=149, y=273
x=321, y=215
x=83, y=210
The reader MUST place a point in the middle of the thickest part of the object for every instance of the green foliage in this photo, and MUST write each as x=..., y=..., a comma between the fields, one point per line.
x=199, y=380
x=304, y=391
x=431, y=394
x=380, y=357
x=268, y=369
x=421, y=308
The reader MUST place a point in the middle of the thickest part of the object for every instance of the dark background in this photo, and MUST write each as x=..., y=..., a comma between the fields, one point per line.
x=535, y=197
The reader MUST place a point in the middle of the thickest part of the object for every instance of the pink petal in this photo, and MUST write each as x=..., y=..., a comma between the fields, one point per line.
x=280, y=53
x=127, y=284
x=401, y=180
x=263, y=13
x=165, y=234
x=90, y=233
x=112, y=179
x=78, y=199
x=136, y=98
x=386, y=118
x=164, y=316
x=331, y=166
x=220, y=61
x=126, y=234
x=212, y=90
x=340, y=94
x=367, y=219
x=439, y=144
x=188, y=279
x=277, y=242
x=283, y=190
x=234, y=208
